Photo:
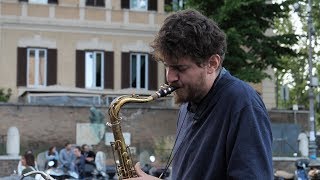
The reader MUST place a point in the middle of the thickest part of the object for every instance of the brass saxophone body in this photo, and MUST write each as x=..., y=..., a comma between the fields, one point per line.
x=125, y=167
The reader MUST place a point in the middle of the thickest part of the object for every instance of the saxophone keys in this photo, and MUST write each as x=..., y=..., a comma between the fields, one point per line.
x=109, y=124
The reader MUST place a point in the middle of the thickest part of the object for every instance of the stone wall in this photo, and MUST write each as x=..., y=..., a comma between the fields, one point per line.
x=43, y=126
x=285, y=164
x=8, y=165
x=291, y=117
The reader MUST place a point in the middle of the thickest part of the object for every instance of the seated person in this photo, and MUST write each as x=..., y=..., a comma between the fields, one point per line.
x=88, y=154
x=67, y=157
x=28, y=162
x=52, y=155
x=79, y=162
x=21, y=167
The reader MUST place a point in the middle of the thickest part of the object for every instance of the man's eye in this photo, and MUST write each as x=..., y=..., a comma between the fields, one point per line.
x=176, y=68
x=181, y=69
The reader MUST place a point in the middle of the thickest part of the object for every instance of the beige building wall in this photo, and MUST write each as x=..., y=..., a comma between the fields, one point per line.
x=269, y=90
x=69, y=26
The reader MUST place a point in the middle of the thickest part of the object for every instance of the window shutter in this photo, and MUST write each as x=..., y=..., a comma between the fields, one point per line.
x=108, y=70
x=125, y=4
x=153, y=73
x=52, y=1
x=100, y=3
x=52, y=67
x=152, y=5
x=80, y=69
x=89, y=2
x=125, y=70
x=21, y=66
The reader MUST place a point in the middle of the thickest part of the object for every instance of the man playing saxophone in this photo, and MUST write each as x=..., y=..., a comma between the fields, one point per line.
x=223, y=129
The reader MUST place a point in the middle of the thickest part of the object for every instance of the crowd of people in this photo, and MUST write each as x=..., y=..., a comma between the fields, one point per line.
x=71, y=158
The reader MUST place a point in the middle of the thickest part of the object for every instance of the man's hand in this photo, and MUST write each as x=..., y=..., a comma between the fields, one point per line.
x=142, y=175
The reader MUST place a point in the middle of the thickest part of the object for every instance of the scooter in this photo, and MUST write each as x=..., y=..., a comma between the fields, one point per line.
x=60, y=172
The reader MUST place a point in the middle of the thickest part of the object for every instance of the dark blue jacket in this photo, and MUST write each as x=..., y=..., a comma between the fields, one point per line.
x=80, y=166
x=227, y=136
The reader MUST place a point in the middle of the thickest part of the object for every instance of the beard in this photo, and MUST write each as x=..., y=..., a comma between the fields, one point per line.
x=192, y=92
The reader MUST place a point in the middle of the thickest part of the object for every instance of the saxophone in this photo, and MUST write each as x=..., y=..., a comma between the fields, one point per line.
x=125, y=167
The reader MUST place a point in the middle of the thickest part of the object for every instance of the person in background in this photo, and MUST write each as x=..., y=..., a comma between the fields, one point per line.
x=52, y=155
x=223, y=128
x=28, y=162
x=67, y=157
x=88, y=154
x=21, y=167
x=79, y=162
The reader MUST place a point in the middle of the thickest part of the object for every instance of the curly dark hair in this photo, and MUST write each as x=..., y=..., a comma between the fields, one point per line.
x=188, y=33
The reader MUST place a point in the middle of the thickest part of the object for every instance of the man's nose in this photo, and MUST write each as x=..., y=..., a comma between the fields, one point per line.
x=172, y=75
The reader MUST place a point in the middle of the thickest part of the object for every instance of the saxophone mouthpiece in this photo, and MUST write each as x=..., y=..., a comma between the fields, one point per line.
x=164, y=91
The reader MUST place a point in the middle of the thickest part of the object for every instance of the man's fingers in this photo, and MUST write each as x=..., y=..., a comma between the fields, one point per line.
x=142, y=175
x=139, y=170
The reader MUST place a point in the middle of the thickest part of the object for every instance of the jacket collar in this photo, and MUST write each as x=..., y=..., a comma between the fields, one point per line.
x=205, y=106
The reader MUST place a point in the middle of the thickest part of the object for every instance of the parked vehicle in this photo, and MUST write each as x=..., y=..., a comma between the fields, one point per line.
x=59, y=172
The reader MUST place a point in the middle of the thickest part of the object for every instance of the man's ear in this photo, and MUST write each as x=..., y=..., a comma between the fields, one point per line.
x=213, y=63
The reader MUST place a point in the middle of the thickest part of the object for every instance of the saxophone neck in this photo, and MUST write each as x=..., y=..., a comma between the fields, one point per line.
x=120, y=101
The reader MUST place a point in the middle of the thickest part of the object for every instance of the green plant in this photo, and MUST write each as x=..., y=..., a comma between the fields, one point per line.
x=5, y=95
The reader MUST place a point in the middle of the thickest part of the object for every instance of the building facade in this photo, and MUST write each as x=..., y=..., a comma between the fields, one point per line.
x=54, y=51
x=77, y=52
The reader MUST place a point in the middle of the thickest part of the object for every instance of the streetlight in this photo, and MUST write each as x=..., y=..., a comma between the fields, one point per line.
x=312, y=84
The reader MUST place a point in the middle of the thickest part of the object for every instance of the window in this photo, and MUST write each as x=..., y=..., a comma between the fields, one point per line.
x=139, y=71
x=174, y=5
x=36, y=67
x=94, y=63
x=40, y=1
x=94, y=69
x=139, y=5
x=99, y=3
